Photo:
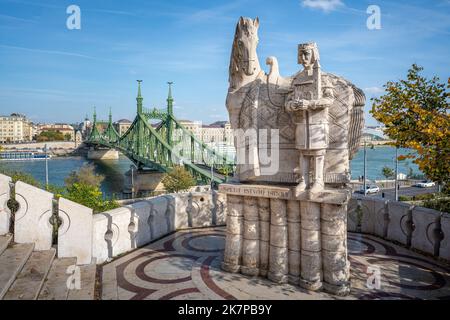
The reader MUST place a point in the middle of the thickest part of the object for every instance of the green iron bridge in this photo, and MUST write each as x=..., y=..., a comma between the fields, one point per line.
x=156, y=140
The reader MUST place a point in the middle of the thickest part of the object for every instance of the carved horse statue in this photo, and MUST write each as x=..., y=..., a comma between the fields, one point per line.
x=256, y=100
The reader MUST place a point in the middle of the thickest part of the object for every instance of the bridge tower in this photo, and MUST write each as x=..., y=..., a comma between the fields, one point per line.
x=140, y=129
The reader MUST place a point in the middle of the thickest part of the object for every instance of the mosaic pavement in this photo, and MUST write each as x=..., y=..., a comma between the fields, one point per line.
x=186, y=265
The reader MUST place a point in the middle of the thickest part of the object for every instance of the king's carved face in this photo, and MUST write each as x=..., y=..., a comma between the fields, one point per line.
x=306, y=57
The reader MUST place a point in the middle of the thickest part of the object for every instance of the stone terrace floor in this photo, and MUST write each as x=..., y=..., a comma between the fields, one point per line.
x=186, y=265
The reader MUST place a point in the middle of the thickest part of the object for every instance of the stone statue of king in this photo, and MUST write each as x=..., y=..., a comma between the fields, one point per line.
x=308, y=102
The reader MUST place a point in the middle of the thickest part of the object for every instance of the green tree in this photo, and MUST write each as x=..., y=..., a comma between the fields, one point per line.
x=83, y=187
x=178, y=179
x=67, y=137
x=50, y=135
x=415, y=112
x=89, y=196
x=388, y=172
x=85, y=175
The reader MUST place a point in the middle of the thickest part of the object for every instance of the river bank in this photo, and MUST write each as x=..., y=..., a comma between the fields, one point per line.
x=114, y=170
x=54, y=148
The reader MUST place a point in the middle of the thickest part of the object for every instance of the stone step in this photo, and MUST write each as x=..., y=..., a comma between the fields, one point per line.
x=109, y=282
x=4, y=242
x=86, y=290
x=12, y=261
x=55, y=286
x=29, y=282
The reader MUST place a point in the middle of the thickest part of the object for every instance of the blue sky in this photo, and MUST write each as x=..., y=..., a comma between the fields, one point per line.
x=53, y=74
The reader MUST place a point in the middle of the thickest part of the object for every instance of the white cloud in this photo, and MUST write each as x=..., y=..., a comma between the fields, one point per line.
x=324, y=5
x=374, y=90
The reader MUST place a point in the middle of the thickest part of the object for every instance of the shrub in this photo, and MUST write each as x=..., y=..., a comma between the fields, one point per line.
x=404, y=198
x=178, y=179
x=85, y=175
x=442, y=204
x=426, y=196
x=89, y=196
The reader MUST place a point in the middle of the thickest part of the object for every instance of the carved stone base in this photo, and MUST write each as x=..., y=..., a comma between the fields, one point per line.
x=263, y=273
x=311, y=286
x=339, y=290
x=232, y=268
x=294, y=280
x=250, y=271
x=300, y=240
x=277, y=277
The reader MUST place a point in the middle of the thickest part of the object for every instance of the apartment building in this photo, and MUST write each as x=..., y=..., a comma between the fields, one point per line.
x=218, y=132
x=15, y=128
x=122, y=126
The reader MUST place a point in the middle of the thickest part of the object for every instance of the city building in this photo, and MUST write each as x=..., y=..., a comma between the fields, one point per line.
x=15, y=128
x=65, y=129
x=218, y=132
x=122, y=126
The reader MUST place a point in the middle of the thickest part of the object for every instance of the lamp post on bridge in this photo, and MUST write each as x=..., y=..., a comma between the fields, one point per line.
x=169, y=114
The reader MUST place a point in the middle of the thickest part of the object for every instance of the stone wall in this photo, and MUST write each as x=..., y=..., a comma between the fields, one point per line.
x=103, y=236
x=415, y=227
x=123, y=229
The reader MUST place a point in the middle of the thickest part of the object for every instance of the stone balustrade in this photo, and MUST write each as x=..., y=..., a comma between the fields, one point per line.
x=103, y=236
x=423, y=229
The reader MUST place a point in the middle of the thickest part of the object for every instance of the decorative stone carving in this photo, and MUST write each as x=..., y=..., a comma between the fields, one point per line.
x=374, y=217
x=233, y=243
x=32, y=220
x=75, y=232
x=5, y=194
x=302, y=241
x=318, y=115
x=427, y=228
x=444, y=250
x=310, y=124
x=400, y=226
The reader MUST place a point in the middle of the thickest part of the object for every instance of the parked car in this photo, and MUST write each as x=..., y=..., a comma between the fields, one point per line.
x=370, y=188
x=425, y=184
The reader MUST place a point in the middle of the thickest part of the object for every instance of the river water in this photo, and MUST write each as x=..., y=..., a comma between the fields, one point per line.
x=114, y=170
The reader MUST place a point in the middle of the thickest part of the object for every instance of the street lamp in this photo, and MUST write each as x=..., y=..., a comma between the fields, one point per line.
x=364, y=173
x=46, y=166
x=132, y=180
x=396, y=173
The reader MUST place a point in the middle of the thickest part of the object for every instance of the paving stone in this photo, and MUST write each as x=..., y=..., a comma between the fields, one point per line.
x=55, y=287
x=4, y=242
x=180, y=266
x=12, y=261
x=109, y=282
x=87, y=287
x=29, y=282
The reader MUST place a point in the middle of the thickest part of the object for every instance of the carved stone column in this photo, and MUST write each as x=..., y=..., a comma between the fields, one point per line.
x=336, y=266
x=264, y=235
x=294, y=244
x=250, y=257
x=311, y=257
x=233, y=247
x=278, y=253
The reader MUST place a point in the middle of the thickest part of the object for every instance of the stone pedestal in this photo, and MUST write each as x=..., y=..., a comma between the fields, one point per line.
x=301, y=240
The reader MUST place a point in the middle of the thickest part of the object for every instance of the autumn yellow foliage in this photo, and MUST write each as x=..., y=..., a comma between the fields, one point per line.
x=415, y=112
